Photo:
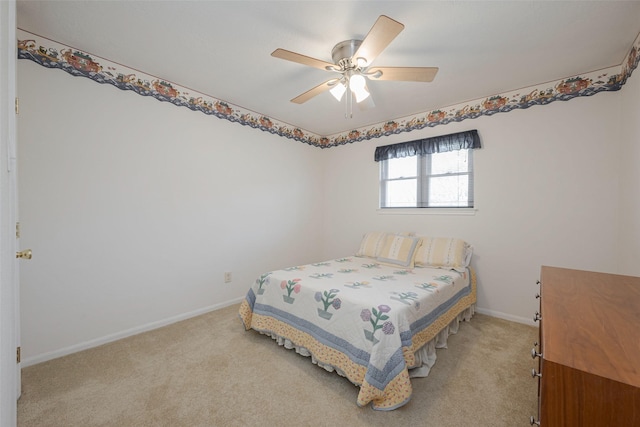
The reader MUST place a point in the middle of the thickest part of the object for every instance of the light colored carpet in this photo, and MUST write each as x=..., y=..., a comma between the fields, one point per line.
x=209, y=371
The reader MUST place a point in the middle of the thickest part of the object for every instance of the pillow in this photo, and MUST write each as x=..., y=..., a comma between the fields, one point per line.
x=372, y=242
x=444, y=252
x=398, y=250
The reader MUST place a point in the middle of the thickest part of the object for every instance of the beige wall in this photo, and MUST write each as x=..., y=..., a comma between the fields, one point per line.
x=546, y=192
x=135, y=208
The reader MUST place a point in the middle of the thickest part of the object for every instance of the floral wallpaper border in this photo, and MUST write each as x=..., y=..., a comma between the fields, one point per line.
x=51, y=54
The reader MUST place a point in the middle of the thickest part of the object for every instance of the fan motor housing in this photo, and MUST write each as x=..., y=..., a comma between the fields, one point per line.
x=344, y=51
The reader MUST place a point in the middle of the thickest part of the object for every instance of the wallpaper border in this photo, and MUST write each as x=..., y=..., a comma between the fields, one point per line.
x=51, y=54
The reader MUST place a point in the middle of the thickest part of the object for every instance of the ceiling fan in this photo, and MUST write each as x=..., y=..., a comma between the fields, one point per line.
x=352, y=60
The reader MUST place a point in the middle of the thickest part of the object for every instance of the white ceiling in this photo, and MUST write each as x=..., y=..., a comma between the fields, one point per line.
x=223, y=48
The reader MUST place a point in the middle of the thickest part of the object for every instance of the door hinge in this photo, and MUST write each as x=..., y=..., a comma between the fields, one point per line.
x=17, y=105
x=17, y=230
x=18, y=355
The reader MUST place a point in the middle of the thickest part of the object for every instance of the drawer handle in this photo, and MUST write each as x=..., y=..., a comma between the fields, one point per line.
x=537, y=282
x=537, y=317
x=535, y=354
x=538, y=295
x=533, y=421
x=535, y=374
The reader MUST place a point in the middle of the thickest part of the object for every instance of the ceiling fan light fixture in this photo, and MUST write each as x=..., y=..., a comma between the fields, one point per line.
x=358, y=87
x=361, y=95
x=338, y=91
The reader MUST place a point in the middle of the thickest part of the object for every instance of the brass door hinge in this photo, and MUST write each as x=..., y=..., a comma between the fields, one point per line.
x=17, y=105
x=18, y=355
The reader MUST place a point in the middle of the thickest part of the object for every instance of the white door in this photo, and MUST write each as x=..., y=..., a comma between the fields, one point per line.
x=9, y=286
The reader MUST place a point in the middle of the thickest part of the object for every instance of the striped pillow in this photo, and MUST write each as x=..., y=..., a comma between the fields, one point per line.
x=398, y=250
x=372, y=242
x=444, y=252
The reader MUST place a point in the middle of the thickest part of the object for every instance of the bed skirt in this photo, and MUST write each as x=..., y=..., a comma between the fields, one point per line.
x=425, y=357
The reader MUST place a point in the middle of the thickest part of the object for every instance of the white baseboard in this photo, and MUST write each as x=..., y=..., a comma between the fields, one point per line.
x=164, y=322
x=124, y=334
x=505, y=316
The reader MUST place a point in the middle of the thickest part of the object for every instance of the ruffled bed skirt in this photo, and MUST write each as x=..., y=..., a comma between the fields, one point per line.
x=425, y=356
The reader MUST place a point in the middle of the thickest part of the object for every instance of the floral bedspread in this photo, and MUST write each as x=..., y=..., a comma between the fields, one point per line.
x=362, y=318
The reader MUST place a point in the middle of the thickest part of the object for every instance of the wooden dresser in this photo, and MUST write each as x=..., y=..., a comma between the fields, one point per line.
x=589, y=353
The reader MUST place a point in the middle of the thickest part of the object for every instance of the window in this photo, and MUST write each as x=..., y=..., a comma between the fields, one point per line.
x=428, y=173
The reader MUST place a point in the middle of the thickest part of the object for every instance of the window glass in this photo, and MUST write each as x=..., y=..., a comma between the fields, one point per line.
x=402, y=193
x=448, y=191
x=403, y=167
x=449, y=162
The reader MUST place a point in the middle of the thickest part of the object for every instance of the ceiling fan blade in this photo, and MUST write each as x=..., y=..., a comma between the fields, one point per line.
x=322, y=87
x=302, y=59
x=406, y=74
x=380, y=35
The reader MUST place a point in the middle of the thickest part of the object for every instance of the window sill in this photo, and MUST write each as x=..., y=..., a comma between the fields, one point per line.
x=427, y=211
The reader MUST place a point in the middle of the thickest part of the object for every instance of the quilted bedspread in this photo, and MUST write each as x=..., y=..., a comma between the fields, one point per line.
x=364, y=319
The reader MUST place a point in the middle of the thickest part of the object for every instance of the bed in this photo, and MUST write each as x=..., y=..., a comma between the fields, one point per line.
x=375, y=317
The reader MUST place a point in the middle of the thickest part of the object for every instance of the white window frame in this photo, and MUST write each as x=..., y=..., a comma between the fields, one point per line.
x=423, y=177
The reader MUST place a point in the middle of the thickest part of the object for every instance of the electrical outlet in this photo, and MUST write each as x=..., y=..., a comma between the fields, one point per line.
x=227, y=276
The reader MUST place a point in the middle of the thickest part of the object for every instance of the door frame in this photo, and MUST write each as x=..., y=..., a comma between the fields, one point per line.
x=9, y=287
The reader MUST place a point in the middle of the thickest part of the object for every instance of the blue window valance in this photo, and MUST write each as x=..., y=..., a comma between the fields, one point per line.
x=437, y=144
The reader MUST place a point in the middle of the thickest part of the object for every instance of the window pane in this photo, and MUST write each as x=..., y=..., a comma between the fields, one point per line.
x=405, y=167
x=449, y=162
x=449, y=191
x=401, y=193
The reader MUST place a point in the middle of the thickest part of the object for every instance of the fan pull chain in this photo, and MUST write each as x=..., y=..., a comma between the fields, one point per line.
x=348, y=112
